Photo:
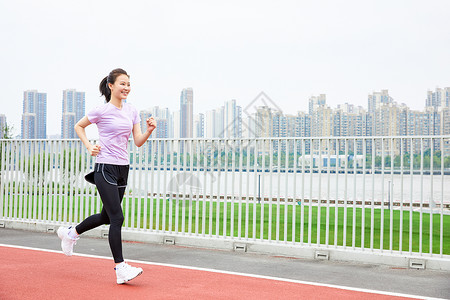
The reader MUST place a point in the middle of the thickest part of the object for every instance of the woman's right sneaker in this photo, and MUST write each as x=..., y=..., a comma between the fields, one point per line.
x=125, y=272
x=67, y=242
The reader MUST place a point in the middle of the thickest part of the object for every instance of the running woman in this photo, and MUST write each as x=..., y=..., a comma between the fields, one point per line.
x=115, y=121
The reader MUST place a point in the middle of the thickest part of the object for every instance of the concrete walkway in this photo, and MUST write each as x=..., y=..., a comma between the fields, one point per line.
x=424, y=283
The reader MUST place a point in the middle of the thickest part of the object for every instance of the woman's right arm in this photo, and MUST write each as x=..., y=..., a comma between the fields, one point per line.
x=81, y=132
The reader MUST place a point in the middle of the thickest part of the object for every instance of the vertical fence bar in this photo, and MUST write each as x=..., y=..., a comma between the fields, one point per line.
x=78, y=185
x=172, y=166
x=391, y=198
x=269, y=231
x=9, y=180
x=145, y=167
x=286, y=188
x=192, y=182
x=363, y=221
x=421, y=197
x=382, y=195
x=402, y=151
x=21, y=181
x=294, y=195
x=205, y=171
x=277, y=227
x=263, y=151
x=154, y=213
x=319, y=196
x=247, y=195
x=177, y=199
x=211, y=168
x=12, y=172
x=255, y=187
x=197, y=196
x=57, y=180
x=372, y=207
x=344, y=239
x=2, y=176
x=38, y=180
x=158, y=197
x=336, y=202
x=130, y=200
x=35, y=180
x=92, y=190
x=15, y=181
x=83, y=184
x=311, y=171
x=183, y=196
x=411, y=172
x=141, y=207
x=239, y=142
x=431, y=201
x=225, y=194
x=233, y=171
x=71, y=188
x=60, y=182
x=9, y=167
x=27, y=183
x=222, y=197
x=327, y=216
x=354, y=196
x=441, y=229
x=165, y=197
x=302, y=203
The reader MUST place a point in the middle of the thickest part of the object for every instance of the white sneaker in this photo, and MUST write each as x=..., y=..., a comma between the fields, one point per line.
x=125, y=272
x=67, y=242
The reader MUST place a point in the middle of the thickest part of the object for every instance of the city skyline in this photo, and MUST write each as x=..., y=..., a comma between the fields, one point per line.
x=228, y=118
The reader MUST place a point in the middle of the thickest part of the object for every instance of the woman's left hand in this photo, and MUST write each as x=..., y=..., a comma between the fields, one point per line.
x=151, y=124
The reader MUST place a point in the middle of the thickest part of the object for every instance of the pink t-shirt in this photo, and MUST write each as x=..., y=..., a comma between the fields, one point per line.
x=114, y=128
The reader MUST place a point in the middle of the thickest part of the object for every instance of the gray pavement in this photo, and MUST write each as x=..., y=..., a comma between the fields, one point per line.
x=426, y=283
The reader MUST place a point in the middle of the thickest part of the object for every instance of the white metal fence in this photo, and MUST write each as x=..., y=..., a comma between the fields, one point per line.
x=380, y=194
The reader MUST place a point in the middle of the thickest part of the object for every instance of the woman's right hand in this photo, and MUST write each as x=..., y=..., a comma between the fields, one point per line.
x=94, y=150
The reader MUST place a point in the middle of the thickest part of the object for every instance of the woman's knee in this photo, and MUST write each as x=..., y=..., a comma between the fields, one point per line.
x=117, y=220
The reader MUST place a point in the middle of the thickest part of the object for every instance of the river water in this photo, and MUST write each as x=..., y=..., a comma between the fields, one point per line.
x=397, y=188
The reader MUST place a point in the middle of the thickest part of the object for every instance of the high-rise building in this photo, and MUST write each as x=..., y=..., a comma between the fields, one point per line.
x=199, y=126
x=187, y=113
x=214, y=123
x=34, y=117
x=176, y=133
x=375, y=100
x=73, y=109
x=438, y=98
x=162, y=118
x=232, y=120
x=210, y=123
x=316, y=101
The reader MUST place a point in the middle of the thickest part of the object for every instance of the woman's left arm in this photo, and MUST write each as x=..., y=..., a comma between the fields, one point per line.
x=139, y=137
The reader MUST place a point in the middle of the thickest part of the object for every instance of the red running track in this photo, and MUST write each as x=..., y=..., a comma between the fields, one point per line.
x=35, y=274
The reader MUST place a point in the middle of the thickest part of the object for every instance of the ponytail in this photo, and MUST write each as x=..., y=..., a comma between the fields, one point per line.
x=111, y=78
x=104, y=89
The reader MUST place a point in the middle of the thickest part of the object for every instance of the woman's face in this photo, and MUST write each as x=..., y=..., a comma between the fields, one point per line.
x=121, y=87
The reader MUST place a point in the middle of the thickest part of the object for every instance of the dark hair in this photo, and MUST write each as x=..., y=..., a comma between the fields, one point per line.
x=111, y=78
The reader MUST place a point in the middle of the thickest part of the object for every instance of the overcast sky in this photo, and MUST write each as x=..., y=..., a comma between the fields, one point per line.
x=224, y=50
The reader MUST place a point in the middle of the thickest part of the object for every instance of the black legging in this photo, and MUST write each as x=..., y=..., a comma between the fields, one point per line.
x=111, y=213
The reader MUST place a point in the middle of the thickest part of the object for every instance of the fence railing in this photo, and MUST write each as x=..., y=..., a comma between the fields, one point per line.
x=383, y=194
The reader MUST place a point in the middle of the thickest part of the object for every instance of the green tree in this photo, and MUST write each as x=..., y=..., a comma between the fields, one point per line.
x=7, y=132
